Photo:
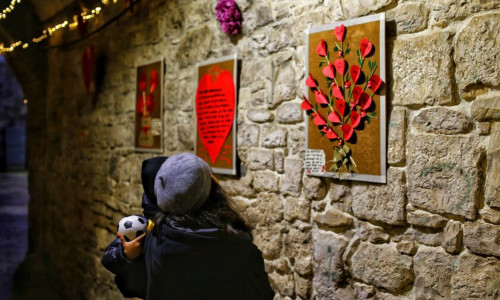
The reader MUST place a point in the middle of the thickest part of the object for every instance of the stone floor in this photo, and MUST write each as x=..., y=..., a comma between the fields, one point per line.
x=13, y=227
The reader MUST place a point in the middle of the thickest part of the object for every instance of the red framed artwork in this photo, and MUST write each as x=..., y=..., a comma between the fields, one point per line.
x=215, y=114
x=149, y=107
x=345, y=100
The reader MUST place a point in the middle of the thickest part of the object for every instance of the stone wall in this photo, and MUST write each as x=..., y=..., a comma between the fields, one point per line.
x=431, y=232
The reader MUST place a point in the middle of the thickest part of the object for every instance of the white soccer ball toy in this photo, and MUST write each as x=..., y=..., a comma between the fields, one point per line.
x=132, y=226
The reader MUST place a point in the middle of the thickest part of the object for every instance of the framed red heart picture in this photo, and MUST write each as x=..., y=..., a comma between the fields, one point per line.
x=215, y=114
x=149, y=107
x=345, y=100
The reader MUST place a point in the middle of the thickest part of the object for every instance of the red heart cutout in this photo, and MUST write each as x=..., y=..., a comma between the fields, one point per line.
x=318, y=120
x=365, y=101
x=340, y=66
x=347, y=130
x=356, y=93
x=88, y=66
x=310, y=82
x=330, y=134
x=339, y=32
x=334, y=117
x=340, y=104
x=320, y=97
x=306, y=105
x=337, y=93
x=355, y=119
x=365, y=47
x=374, y=82
x=215, y=103
x=321, y=48
x=328, y=71
x=355, y=73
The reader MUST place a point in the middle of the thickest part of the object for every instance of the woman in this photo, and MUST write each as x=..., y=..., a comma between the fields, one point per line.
x=199, y=248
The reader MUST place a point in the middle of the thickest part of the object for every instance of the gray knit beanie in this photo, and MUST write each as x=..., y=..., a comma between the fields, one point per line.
x=183, y=183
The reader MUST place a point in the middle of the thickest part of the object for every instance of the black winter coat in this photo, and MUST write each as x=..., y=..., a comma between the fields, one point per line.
x=183, y=264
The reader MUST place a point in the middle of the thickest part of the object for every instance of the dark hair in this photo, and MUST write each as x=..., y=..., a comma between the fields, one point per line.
x=215, y=212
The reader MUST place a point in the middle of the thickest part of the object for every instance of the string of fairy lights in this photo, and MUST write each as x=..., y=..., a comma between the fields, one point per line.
x=85, y=15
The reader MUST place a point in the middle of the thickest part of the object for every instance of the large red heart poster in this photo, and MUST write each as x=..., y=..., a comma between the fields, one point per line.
x=215, y=115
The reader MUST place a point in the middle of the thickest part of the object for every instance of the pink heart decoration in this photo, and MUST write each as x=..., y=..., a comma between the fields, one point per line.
x=374, y=82
x=340, y=104
x=334, y=117
x=365, y=101
x=339, y=32
x=337, y=93
x=328, y=71
x=365, y=47
x=321, y=48
x=215, y=101
x=355, y=119
x=340, y=66
x=355, y=73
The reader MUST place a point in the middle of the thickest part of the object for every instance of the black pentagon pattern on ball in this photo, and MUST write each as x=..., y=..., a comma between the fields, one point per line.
x=139, y=233
x=140, y=219
x=127, y=224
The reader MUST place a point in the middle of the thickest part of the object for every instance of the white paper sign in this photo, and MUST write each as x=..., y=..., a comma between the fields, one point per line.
x=315, y=162
x=156, y=126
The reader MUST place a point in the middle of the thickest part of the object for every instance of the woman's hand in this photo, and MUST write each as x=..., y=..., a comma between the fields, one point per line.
x=133, y=248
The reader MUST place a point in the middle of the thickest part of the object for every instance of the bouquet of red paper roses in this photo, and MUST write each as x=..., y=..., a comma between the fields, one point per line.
x=348, y=101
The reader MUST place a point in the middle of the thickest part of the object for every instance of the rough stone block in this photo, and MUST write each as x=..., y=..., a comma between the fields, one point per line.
x=382, y=265
x=260, y=159
x=397, y=136
x=269, y=240
x=421, y=70
x=425, y=236
x=443, y=174
x=282, y=283
x=482, y=238
x=328, y=265
x=373, y=234
x=289, y=113
x=298, y=249
x=265, y=181
x=490, y=215
x=248, y=135
x=432, y=274
x=492, y=190
x=452, y=237
x=358, y=8
x=422, y=218
x=440, y=120
x=476, y=52
x=267, y=209
x=295, y=208
x=407, y=247
x=486, y=109
x=384, y=203
x=443, y=12
x=194, y=46
x=333, y=218
x=408, y=18
x=279, y=161
x=282, y=88
x=475, y=277
x=314, y=188
x=303, y=286
x=273, y=137
x=291, y=183
x=259, y=115
x=364, y=292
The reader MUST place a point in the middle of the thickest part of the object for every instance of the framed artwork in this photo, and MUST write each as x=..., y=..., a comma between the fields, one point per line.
x=345, y=100
x=215, y=107
x=149, y=107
